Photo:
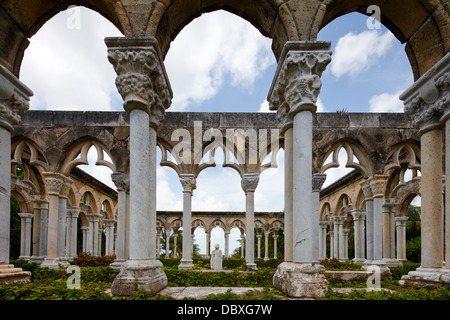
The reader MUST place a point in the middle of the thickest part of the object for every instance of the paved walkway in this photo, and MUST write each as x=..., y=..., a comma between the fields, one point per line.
x=201, y=292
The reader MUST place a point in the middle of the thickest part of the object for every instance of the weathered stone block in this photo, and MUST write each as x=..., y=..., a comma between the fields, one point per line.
x=300, y=280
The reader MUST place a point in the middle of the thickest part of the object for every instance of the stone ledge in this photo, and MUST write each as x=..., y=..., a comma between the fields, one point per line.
x=10, y=274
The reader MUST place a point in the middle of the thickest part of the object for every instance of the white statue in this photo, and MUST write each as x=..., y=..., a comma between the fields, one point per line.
x=216, y=259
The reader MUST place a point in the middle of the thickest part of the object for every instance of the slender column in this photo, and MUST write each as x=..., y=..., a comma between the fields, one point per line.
x=337, y=236
x=85, y=231
x=36, y=230
x=323, y=239
x=189, y=184
x=71, y=245
x=249, y=183
x=400, y=223
x=122, y=183
x=365, y=185
x=109, y=236
x=25, y=235
x=358, y=216
x=167, y=243
x=144, y=86
x=426, y=101
x=43, y=230
x=68, y=233
x=54, y=183
x=158, y=242
x=275, y=237
x=318, y=180
x=288, y=210
x=339, y=223
x=175, y=238
x=62, y=216
x=388, y=250
x=266, y=245
x=227, y=243
x=259, y=236
x=332, y=243
x=14, y=97
x=243, y=245
x=208, y=238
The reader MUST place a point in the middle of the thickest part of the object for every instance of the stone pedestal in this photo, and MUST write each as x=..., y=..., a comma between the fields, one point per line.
x=301, y=280
x=147, y=275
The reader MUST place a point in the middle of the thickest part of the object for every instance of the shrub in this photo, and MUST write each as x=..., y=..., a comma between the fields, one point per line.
x=88, y=260
x=335, y=264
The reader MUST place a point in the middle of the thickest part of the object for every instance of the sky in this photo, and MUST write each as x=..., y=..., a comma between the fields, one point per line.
x=217, y=63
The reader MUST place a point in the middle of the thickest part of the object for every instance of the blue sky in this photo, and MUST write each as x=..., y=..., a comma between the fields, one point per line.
x=219, y=62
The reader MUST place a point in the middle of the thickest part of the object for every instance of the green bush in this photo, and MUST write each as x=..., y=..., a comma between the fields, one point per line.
x=88, y=260
x=336, y=265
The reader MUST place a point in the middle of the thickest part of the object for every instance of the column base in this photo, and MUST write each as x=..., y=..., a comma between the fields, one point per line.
x=381, y=264
x=392, y=263
x=430, y=278
x=10, y=274
x=37, y=259
x=134, y=275
x=252, y=266
x=54, y=263
x=359, y=261
x=300, y=280
x=117, y=264
x=186, y=264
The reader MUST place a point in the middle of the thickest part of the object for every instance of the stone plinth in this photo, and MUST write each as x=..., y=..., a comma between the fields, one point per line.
x=147, y=275
x=300, y=280
x=427, y=278
x=10, y=274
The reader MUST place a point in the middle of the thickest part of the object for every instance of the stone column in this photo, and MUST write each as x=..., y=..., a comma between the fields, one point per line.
x=249, y=183
x=36, y=231
x=109, y=248
x=266, y=245
x=358, y=216
x=242, y=245
x=425, y=101
x=368, y=195
x=208, y=238
x=275, y=237
x=158, y=242
x=62, y=217
x=25, y=235
x=339, y=227
x=318, y=180
x=258, y=237
x=294, y=93
x=378, y=185
x=175, y=238
x=167, y=243
x=43, y=231
x=331, y=243
x=227, y=243
x=288, y=175
x=85, y=231
x=72, y=218
x=14, y=97
x=122, y=182
x=189, y=184
x=144, y=86
x=92, y=238
x=54, y=182
x=323, y=239
x=400, y=223
x=388, y=252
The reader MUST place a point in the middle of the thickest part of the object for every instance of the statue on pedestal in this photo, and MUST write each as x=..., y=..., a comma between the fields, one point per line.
x=216, y=259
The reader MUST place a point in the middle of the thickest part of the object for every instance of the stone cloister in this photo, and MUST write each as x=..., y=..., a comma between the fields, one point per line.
x=380, y=147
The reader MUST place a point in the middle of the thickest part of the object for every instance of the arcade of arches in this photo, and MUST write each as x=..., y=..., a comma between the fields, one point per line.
x=381, y=148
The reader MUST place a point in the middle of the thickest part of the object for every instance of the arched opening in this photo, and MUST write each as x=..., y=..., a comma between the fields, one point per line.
x=66, y=63
x=369, y=69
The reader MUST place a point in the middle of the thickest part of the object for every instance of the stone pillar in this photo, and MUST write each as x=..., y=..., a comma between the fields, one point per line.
x=109, y=248
x=71, y=245
x=337, y=221
x=144, y=86
x=331, y=243
x=62, y=217
x=275, y=237
x=339, y=225
x=266, y=245
x=14, y=97
x=208, y=238
x=400, y=223
x=227, y=243
x=426, y=101
x=288, y=210
x=318, y=180
x=367, y=191
x=43, y=231
x=189, y=184
x=54, y=182
x=175, y=238
x=25, y=235
x=158, y=242
x=122, y=182
x=358, y=219
x=85, y=231
x=388, y=251
x=35, y=241
x=242, y=245
x=92, y=237
x=259, y=236
x=167, y=243
x=249, y=183
x=294, y=93
x=323, y=239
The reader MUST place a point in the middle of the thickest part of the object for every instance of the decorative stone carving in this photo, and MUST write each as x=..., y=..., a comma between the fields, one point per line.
x=249, y=182
x=14, y=97
x=378, y=184
x=298, y=78
x=317, y=181
x=54, y=182
x=65, y=188
x=367, y=190
x=141, y=78
x=122, y=181
x=428, y=98
x=188, y=183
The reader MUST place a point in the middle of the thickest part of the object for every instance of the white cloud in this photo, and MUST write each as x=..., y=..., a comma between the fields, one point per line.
x=386, y=102
x=67, y=68
x=358, y=52
x=210, y=50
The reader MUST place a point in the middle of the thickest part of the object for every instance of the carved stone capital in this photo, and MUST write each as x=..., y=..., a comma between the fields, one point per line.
x=54, y=182
x=378, y=185
x=73, y=212
x=67, y=184
x=121, y=181
x=366, y=189
x=317, y=181
x=297, y=79
x=14, y=97
x=249, y=182
x=358, y=215
x=427, y=100
x=188, y=183
x=388, y=204
x=141, y=77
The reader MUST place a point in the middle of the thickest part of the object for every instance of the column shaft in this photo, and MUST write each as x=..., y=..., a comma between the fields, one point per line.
x=288, y=185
